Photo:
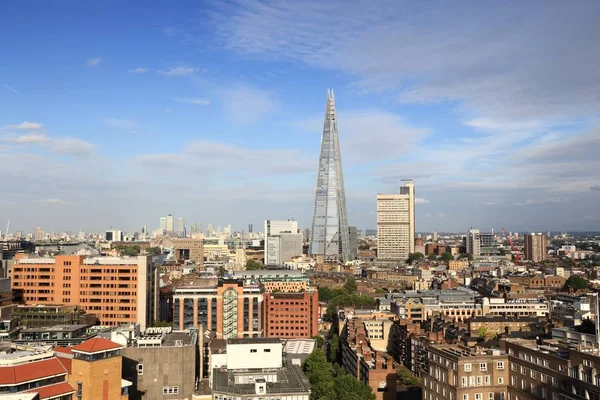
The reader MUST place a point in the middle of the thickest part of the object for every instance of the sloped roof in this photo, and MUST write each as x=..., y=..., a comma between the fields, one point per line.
x=54, y=391
x=96, y=345
x=32, y=371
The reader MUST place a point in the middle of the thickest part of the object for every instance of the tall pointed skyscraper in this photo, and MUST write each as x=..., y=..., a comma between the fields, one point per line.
x=329, y=235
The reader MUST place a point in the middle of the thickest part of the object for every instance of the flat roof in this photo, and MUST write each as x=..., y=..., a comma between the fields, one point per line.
x=56, y=328
x=290, y=379
x=253, y=340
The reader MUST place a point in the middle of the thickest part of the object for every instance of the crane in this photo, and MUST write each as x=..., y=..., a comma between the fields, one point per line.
x=512, y=247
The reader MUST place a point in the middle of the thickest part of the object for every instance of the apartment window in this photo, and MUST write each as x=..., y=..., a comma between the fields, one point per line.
x=471, y=381
x=533, y=389
x=523, y=371
x=488, y=380
x=468, y=368
x=554, y=382
x=483, y=366
x=170, y=390
x=544, y=393
x=267, y=350
x=555, y=396
x=465, y=397
x=523, y=385
x=502, y=395
x=479, y=381
x=253, y=350
x=533, y=374
x=500, y=365
x=491, y=396
x=500, y=381
x=140, y=369
x=478, y=396
x=588, y=363
x=513, y=380
x=464, y=381
x=513, y=367
x=544, y=378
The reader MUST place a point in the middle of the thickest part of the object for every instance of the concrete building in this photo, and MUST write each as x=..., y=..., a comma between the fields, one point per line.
x=163, y=224
x=291, y=315
x=456, y=372
x=500, y=325
x=283, y=241
x=161, y=362
x=275, y=280
x=535, y=247
x=255, y=369
x=180, y=228
x=230, y=309
x=479, y=243
x=520, y=307
x=353, y=240
x=396, y=223
x=117, y=290
x=189, y=249
x=170, y=222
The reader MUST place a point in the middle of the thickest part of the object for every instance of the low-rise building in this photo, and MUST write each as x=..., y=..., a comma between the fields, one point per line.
x=536, y=307
x=496, y=325
x=276, y=280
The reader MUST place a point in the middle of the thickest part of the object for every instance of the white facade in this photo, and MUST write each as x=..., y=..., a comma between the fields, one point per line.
x=163, y=224
x=519, y=307
x=282, y=241
x=256, y=354
x=170, y=223
x=396, y=223
x=473, y=244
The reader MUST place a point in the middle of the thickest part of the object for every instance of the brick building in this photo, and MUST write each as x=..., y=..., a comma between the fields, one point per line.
x=291, y=315
x=189, y=249
x=118, y=290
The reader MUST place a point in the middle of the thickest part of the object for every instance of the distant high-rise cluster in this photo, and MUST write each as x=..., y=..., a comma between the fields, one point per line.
x=329, y=233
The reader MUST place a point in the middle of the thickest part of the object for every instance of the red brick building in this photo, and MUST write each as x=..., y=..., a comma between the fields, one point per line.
x=291, y=315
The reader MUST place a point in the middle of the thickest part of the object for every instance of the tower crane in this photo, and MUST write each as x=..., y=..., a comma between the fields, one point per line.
x=512, y=247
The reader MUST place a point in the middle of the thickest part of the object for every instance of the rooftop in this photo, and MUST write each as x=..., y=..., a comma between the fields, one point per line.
x=57, y=328
x=32, y=371
x=289, y=379
x=96, y=345
x=299, y=346
x=253, y=340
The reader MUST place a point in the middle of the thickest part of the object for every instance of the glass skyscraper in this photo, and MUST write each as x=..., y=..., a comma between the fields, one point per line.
x=329, y=235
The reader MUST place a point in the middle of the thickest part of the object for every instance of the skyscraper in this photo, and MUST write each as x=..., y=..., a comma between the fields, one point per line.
x=535, y=247
x=180, y=227
x=396, y=223
x=282, y=241
x=163, y=224
x=170, y=223
x=329, y=233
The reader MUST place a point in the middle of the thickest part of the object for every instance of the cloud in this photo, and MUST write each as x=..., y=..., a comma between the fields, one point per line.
x=30, y=138
x=94, y=62
x=120, y=123
x=247, y=105
x=420, y=200
x=194, y=101
x=138, y=71
x=71, y=146
x=23, y=126
x=531, y=202
x=178, y=71
x=595, y=188
x=10, y=88
x=53, y=201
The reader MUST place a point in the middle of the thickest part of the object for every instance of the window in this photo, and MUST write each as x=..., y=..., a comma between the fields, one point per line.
x=533, y=374
x=588, y=363
x=140, y=369
x=483, y=367
x=544, y=393
x=465, y=397
x=554, y=382
x=523, y=371
x=479, y=381
x=488, y=380
x=471, y=381
x=533, y=389
x=491, y=395
x=513, y=367
x=500, y=381
x=467, y=367
x=170, y=390
x=555, y=396
x=544, y=378
x=464, y=381
x=502, y=395
x=267, y=350
x=500, y=365
x=523, y=385
x=253, y=350
x=478, y=396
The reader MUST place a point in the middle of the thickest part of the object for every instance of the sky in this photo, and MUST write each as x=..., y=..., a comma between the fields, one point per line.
x=113, y=113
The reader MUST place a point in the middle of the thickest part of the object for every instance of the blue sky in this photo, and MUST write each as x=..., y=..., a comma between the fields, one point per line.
x=113, y=113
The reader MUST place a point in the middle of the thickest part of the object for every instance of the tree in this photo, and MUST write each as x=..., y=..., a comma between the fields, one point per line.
x=380, y=291
x=587, y=326
x=125, y=250
x=348, y=387
x=320, y=375
x=350, y=285
x=576, y=282
x=413, y=257
x=319, y=341
x=154, y=250
x=432, y=257
x=253, y=265
x=364, y=246
x=406, y=377
x=334, y=348
x=446, y=257
x=482, y=332
x=161, y=324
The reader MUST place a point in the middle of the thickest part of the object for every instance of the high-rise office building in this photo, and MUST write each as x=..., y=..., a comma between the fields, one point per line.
x=163, y=224
x=250, y=228
x=353, y=240
x=535, y=247
x=210, y=230
x=479, y=243
x=180, y=227
x=282, y=241
x=170, y=223
x=329, y=233
x=38, y=233
x=396, y=223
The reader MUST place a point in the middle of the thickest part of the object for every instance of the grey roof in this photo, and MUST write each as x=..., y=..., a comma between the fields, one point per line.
x=290, y=379
x=253, y=340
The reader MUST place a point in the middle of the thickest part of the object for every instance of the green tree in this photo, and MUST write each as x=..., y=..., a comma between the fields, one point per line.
x=406, y=377
x=320, y=375
x=576, y=282
x=253, y=265
x=350, y=285
x=334, y=348
x=447, y=257
x=319, y=341
x=413, y=257
x=125, y=250
x=380, y=291
x=482, y=332
x=161, y=324
x=432, y=257
x=154, y=250
x=349, y=388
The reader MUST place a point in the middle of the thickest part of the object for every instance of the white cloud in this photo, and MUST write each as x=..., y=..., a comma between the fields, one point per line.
x=23, y=126
x=71, y=146
x=178, y=71
x=53, y=201
x=532, y=202
x=30, y=138
x=94, y=62
x=138, y=71
x=194, y=101
x=120, y=123
x=420, y=200
x=246, y=105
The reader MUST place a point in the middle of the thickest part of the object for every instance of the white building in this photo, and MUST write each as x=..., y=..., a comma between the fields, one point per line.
x=170, y=223
x=163, y=224
x=396, y=223
x=282, y=242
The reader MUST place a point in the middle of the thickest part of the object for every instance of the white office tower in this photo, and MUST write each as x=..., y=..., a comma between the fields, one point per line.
x=396, y=223
x=282, y=241
x=180, y=227
x=163, y=224
x=170, y=223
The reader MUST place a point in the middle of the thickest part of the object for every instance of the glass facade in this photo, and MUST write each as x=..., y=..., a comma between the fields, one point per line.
x=329, y=234
x=188, y=313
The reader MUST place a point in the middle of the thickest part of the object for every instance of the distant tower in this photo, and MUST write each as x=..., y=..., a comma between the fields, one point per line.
x=396, y=223
x=180, y=227
x=329, y=233
x=250, y=228
x=163, y=224
x=170, y=223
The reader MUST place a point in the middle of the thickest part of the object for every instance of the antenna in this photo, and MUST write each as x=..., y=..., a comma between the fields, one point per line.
x=6, y=232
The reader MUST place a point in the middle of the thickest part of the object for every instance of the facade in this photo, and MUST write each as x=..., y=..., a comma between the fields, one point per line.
x=523, y=307
x=329, y=232
x=353, y=240
x=500, y=325
x=276, y=280
x=230, y=309
x=170, y=222
x=189, y=249
x=479, y=243
x=458, y=265
x=396, y=223
x=457, y=372
x=254, y=369
x=180, y=227
x=25, y=371
x=162, y=364
x=535, y=247
x=291, y=315
x=38, y=316
x=117, y=290
x=163, y=224
x=282, y=248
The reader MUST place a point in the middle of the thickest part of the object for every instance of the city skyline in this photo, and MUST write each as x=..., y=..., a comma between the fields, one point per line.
x=484, y=112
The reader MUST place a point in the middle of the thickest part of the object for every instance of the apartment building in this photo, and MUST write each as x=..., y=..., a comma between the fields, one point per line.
x=457, y=372
x=551, y=371
x=500, y=325
x=117, y=290
x=231, y=308
x=291, y=315
x=359, y=359
x=525, y=307
x=276, y=280
x=189, y=249
x=396, y=223
x=535, y=247
x=458, y=265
